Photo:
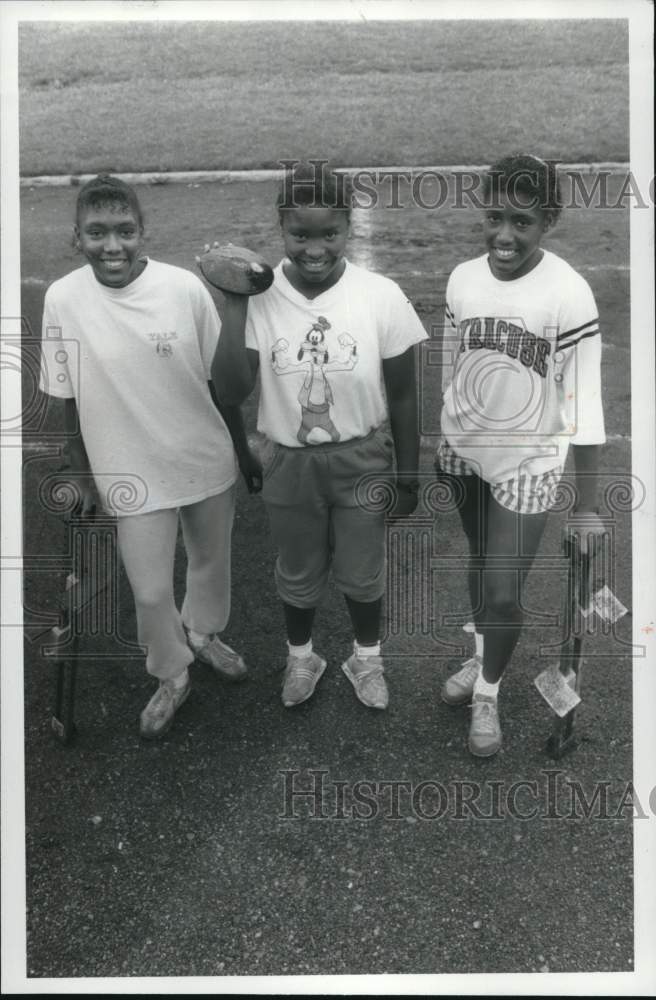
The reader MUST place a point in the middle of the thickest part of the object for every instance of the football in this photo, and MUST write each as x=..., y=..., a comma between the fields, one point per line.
x=235, y=269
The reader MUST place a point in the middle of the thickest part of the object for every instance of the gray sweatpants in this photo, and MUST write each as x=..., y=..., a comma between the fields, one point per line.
x=147, y=544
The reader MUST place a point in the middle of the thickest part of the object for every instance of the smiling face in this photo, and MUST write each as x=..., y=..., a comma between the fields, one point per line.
x=110, y=237
x=315, y=240
x=513, y=230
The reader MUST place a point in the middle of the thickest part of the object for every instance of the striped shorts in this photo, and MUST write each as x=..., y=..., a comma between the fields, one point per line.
x=522, y=494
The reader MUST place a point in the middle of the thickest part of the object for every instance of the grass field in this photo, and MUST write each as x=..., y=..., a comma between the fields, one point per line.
x=199, y=95
x=176, y=858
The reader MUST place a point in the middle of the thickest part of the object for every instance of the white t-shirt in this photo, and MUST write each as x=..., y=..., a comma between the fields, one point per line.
x=137, y=361
x=522, y=360
x=321, y=359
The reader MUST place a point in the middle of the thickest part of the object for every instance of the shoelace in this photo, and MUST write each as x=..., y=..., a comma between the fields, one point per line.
x=363, y=675
x=485, y=713
x=164, y=696
x=221, y=646
x=302, y=666
x=373, y=673
x=469, y=673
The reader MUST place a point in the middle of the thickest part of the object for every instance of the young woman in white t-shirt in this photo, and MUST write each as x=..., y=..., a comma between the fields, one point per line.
x=334, y=347
x=521, y=381
x=128, y=344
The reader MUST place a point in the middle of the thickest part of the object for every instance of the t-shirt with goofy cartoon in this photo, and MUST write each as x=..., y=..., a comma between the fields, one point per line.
x=316, y=396
x=321, y=359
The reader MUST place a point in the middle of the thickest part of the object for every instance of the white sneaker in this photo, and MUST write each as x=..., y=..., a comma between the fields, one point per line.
x=223, y=660
x=485, y=730
x=158, y=715
x=301, y=676
x=366, y=675
x=459, y=688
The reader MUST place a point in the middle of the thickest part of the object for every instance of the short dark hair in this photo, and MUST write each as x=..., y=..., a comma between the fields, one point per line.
x=314, y=184
x=107, y=190
x=528, y=174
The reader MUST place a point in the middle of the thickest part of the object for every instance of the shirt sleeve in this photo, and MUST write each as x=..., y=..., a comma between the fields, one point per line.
x=55, y=376
x=402, y=327
x=579, y=351
x=208, y=323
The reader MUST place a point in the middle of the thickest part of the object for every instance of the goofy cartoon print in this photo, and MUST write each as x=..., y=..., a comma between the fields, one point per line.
x=316, y=396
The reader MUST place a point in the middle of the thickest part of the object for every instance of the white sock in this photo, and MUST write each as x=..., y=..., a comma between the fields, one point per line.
x=364, y=651
x=198, y=638
x=478, y=639
x=301, y=651
x=481, y=686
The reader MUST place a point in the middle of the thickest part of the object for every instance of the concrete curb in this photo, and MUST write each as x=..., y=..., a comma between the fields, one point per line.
x=230, y=176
